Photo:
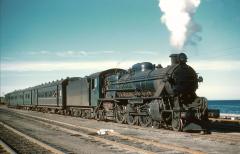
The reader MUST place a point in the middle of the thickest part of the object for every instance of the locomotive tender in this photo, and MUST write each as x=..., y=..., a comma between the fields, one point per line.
x=145, y=95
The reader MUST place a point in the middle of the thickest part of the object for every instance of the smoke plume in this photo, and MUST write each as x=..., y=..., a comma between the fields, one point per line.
x=177, y=16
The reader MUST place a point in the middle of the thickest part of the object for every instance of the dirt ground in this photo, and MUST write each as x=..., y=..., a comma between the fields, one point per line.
x=211, y=143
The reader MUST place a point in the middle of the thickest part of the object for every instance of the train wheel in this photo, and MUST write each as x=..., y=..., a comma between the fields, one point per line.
x=156, y=124
x=83, y=114
x=74, y=113
x=145, y=121
x=79, y=113
x=68, y=112
x=98, y=115
x=177, y=124
x=131, y=120
x=120, y=114
x=89, y=116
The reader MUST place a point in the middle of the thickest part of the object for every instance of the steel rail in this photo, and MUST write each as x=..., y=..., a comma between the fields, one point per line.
x=96, y=138
x=93, y=130
x=6, y=148
x=51, y=149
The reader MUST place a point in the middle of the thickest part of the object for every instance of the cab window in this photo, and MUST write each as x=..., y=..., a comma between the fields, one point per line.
x=94, y=83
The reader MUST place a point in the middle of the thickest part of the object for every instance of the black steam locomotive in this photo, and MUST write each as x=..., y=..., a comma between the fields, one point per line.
x=145, y=95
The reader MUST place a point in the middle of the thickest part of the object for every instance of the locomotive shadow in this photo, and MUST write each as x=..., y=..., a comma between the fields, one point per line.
x=224, y=128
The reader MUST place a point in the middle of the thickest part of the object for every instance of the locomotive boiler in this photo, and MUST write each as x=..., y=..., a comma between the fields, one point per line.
x=153, y=95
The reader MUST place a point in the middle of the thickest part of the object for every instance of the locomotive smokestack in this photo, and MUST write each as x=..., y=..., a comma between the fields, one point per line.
x=178, y=58
x=174, y=59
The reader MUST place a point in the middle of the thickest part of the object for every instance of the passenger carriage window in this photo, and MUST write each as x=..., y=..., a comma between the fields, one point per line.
x=60, y=93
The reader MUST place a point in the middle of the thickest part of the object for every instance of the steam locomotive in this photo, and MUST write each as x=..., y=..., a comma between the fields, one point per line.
x=145, y=95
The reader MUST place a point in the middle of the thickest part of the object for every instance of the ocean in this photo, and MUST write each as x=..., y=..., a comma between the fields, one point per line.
x=225, y=106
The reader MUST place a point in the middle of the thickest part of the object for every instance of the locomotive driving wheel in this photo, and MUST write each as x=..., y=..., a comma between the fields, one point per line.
x=131, y=119
x=145, y=121
x=120, y=114
x=97, y=115
x=177, y=124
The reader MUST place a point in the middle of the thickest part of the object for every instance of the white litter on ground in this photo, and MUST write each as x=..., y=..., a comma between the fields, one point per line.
x=104, y=131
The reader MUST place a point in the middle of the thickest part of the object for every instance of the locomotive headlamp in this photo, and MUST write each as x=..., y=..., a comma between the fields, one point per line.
x=200, y=79
x=182, y=58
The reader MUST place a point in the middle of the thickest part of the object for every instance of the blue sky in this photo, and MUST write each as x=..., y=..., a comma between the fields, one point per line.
x=41, y=41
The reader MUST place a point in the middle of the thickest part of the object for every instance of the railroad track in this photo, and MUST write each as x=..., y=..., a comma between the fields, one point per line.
x=5, y=149
x=214, y=136
x=115, y=140
x=220, y=137
x=236, y=127
x=129, y=143
x=22, y=143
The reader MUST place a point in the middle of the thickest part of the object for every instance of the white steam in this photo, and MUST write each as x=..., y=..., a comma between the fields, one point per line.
x=177, y=15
